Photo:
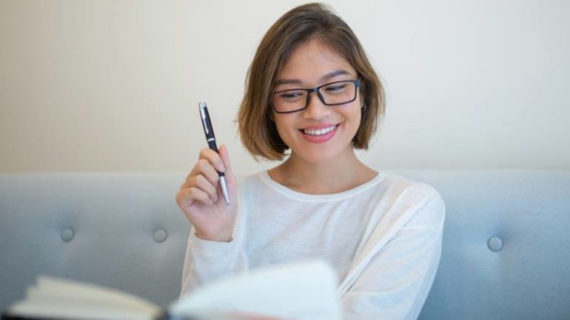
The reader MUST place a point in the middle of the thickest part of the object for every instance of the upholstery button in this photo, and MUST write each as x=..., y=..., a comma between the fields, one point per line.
x=495, y=244
x=67, y=234
x=160, y=235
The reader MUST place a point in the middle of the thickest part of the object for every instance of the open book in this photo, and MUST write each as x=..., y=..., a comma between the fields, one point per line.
x=304, y=290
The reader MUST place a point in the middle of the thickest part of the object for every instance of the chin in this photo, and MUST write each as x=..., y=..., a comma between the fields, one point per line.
x=322, y=155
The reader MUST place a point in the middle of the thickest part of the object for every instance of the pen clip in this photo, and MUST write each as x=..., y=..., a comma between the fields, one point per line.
x=203, y=110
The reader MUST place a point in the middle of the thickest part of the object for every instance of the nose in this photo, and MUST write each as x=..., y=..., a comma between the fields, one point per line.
x=316, y=109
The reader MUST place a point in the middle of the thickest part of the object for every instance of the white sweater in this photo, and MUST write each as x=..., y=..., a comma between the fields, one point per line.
x=382, y=237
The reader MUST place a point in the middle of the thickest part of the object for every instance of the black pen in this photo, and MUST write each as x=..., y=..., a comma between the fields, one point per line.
x=209, y=131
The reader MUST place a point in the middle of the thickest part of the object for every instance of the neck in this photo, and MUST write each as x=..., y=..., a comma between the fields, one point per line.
x=332, y=176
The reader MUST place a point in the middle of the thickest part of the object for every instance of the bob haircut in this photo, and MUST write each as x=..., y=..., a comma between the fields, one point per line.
x=301, y=24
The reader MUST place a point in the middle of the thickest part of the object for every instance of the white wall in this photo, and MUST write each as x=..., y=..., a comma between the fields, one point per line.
x=114, y=85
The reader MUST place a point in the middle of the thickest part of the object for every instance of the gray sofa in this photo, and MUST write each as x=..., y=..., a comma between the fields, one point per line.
x=506, y=252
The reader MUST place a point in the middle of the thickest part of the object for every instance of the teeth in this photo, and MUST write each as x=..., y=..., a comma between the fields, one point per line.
x=318, y=132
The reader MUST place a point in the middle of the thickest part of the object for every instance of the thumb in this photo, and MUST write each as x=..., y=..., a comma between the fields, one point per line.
x=223, y=152
x=230, y=179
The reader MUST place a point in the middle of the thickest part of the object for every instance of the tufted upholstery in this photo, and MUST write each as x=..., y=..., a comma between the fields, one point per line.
x=506, y=248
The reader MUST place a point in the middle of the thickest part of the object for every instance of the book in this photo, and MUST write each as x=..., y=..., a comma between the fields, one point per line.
x=297, y=291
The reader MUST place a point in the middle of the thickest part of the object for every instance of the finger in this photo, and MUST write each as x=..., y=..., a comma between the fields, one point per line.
x=205, y=185
x=202, y=183
x=208, y=171
x=224, y=154
x=189, y=195
x=214, y=158
x=205, y=168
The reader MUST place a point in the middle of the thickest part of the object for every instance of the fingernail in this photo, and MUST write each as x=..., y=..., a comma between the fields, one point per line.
x=220, y=165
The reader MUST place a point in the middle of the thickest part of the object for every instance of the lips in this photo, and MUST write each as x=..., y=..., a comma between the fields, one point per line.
x=319, y=134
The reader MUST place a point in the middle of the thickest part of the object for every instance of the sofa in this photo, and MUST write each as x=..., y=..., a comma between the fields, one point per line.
x=506, y=248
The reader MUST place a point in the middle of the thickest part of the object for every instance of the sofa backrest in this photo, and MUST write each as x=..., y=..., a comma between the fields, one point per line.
x=506, y=253
x=121, y=230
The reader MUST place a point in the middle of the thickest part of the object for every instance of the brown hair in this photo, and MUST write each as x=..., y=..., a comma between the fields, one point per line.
x=311, y=21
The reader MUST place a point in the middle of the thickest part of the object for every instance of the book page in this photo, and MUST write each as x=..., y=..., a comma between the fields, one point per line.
x=66, y=298
x=295, y=291
x=73, y=310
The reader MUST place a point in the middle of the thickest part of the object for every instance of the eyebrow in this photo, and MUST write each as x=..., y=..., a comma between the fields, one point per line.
x=327, y=76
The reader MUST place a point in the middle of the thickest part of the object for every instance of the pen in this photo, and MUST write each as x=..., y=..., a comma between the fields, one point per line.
x=209, y=132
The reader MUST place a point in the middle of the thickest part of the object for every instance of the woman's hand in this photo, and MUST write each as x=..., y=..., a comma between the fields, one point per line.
x=201, y=198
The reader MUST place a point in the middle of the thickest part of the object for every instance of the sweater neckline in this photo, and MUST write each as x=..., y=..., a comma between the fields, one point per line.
x=290, y=193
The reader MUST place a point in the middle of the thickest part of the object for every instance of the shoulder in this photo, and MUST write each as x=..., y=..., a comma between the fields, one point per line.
x=419, y=199
x=410, y=190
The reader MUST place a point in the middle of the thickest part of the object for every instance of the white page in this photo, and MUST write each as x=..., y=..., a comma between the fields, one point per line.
x=51, y=290
x=296, y=291
x=72, y=310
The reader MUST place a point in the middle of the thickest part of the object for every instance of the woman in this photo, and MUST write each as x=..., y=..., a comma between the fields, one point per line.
x=313, y=97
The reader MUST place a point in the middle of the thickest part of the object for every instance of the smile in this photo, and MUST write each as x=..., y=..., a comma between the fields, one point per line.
x=318, y=132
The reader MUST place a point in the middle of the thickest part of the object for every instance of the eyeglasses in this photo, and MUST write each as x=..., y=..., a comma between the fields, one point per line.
x=330, y=94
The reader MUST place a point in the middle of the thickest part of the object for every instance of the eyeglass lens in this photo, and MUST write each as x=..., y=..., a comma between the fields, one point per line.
x=335, y=93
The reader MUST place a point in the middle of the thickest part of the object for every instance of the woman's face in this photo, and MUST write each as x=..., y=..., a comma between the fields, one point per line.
x=319, y=132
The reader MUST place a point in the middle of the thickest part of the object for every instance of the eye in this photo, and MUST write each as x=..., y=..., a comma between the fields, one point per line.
x=336, y=88
x=290, y=95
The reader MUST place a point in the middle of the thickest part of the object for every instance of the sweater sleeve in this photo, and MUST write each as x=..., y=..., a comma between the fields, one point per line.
x=397, y=279
x=206, y=261
x=209, y=260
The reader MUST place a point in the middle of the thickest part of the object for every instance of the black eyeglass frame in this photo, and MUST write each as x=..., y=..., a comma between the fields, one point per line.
x=317, y=91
